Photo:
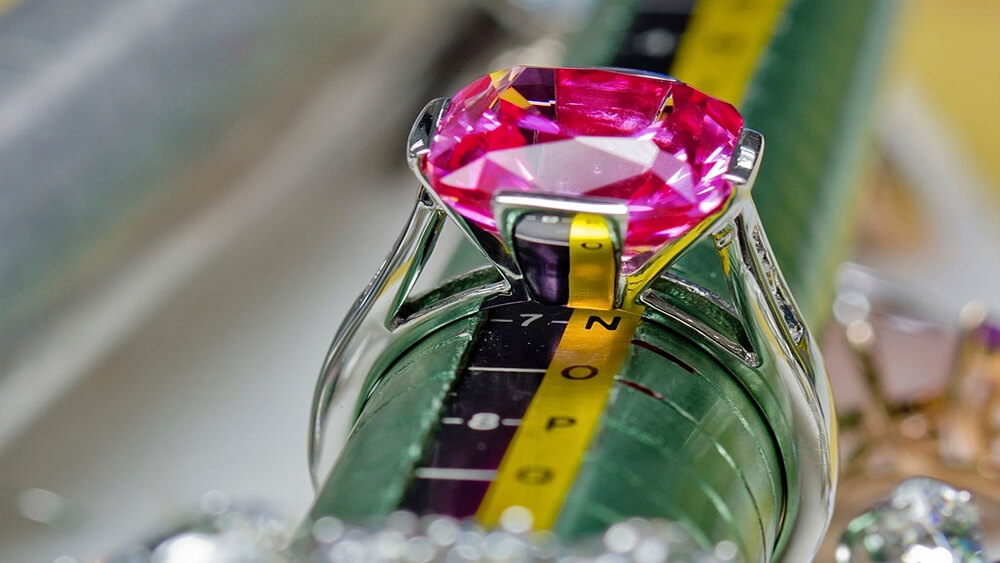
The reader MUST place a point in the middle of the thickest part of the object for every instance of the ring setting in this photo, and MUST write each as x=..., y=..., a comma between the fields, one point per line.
x=581, y=188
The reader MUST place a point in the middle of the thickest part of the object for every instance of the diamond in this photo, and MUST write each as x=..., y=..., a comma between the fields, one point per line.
x=657, y=144
x=923, y=520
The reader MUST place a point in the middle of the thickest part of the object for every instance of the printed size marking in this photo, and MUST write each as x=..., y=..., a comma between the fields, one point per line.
x=455, y=474
x=469, y=434
x=484, y=421
x=530, y=318
x=527, y=319
x=506, y=370
x=541, y=462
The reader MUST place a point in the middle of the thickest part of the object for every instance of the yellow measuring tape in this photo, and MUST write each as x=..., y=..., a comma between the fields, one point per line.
x=7, y=4
x=593, y=268
x=542, y=460
x=723, y=43
x=718, y=53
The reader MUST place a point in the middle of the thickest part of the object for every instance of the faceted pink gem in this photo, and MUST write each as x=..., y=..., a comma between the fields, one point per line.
x=657, y=144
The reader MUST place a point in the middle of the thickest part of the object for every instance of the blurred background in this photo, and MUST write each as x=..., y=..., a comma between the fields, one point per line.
x=192, y=192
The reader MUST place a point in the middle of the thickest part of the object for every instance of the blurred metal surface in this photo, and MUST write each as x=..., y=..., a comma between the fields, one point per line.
x=179, y=234
x=103, y=104
x=124, y=123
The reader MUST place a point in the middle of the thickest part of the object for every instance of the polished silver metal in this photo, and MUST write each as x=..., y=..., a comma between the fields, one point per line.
x=374, y=323
x=746, y=158
x=784, y=347
x=418, y=146
x=775, y=340
x=701, y=328
x=509, y=207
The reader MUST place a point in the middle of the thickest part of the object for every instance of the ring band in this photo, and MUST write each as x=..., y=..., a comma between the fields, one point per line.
x=528, y=243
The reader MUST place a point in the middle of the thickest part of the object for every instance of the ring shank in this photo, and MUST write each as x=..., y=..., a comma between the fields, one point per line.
x=680, y=439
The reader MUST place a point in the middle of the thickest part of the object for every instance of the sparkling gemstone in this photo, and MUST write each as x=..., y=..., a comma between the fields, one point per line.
x=655, y=143
x=923, y=521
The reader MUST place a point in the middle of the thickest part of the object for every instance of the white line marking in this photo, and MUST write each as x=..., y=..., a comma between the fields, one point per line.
x=507, y=370
x=559, y=322
x=511, y=422
x=451, y=420
x=501, y=320
x=455, y=474
x=530, y=318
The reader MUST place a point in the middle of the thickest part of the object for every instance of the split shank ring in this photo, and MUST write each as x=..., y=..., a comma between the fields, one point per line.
x=582, y=187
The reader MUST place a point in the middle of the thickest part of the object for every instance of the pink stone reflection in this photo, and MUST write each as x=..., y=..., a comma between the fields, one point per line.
x=660, y=145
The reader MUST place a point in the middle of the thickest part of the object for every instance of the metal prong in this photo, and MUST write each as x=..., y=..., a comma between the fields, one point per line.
x=788, y=353
x=419, y=141
x=417, y=146
x=641, y=279
x=373, y=310
x=508, y=206
x=746, y=157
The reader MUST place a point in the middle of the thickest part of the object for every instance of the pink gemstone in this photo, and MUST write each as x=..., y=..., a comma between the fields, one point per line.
x=657, y=144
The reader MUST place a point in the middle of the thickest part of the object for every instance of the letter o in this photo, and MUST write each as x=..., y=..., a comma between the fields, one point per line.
x=573, y=372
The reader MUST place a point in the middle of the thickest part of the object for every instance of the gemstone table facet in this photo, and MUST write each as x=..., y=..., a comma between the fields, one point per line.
x=655, y=143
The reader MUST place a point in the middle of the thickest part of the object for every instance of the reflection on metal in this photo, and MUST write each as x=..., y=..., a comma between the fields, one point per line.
x=775, y=339
x=142, y=138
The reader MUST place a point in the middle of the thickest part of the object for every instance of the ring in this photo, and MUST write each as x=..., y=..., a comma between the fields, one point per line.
x=583, y=188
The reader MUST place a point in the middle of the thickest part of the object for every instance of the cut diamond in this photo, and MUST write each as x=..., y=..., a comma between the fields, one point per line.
x=923, y=521
x=655, y=143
